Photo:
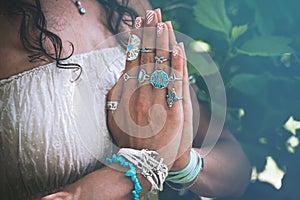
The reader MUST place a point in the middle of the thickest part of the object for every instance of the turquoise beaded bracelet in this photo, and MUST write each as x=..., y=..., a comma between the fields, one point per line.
x=130, y=173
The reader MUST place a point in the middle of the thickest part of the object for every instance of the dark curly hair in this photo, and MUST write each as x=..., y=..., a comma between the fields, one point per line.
x=34, y=32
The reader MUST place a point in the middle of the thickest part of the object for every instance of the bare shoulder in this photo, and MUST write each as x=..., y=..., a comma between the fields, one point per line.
x=85, y=32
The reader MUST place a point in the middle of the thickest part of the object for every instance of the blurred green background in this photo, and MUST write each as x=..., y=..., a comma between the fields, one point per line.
x=255, y=44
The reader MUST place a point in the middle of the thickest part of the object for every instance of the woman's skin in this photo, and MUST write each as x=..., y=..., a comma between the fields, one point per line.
x=226, y=170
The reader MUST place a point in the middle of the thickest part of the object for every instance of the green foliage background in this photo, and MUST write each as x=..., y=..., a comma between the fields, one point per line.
x=255, y=44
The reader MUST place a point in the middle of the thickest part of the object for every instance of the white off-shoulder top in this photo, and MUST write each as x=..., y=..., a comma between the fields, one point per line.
x=53, y=131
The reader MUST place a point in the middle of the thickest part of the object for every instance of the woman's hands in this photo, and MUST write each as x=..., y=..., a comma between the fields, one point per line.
x=150, y=115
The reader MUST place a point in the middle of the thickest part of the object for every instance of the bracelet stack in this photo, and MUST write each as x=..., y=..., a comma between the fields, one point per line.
x=155, y=171
x=190, y=172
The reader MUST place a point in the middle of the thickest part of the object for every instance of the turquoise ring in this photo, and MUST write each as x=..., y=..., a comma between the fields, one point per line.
x=133, y=47
x=159, y=79
x=172, y=98
x=146, y=50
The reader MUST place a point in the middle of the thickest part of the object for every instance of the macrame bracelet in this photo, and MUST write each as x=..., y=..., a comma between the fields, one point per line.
x=155, y=171
x=190, y=172
x=130, y=173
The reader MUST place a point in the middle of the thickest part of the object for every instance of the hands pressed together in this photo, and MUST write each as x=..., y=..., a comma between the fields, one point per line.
x=150, y=107
x=154, y=109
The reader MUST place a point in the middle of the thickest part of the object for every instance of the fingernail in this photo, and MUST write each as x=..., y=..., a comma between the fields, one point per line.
x=158, y=11
x=149, y=16
x=169, y=24
x=160, y=28
x=138, y=22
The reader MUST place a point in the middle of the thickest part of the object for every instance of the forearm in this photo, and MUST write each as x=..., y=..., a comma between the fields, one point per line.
x=226, y=170
x=106, y=183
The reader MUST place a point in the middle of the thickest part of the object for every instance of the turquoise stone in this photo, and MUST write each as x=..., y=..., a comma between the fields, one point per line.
x=122, y=160
x=135, y=194
x=130, y=173
x=115, y=158
x=130, y=47
x=159, y=79
x=141, y=76
x=134, y=179
x=109, y=161
x=82, y=10
x=138, y=187
x=126, y=164
x=131, y=166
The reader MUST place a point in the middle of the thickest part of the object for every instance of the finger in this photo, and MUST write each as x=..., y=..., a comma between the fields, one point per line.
x=187, y=137
x=138, y=26
x=186, y=85
x=147, y=58
x=175, y=89
x=162, y=53
x=132, y=62
x=148, y=41
x=116, y=92
x=172, y=38
x=158, y=14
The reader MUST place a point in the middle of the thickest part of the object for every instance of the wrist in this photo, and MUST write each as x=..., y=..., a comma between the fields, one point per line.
x=182, y=161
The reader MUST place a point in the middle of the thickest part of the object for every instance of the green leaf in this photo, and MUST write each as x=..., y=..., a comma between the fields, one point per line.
x=266, y=46
x=212, y=14
x=250, y=84
x=237, y=31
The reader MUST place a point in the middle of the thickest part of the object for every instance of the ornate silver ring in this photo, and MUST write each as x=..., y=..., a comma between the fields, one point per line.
x=159, y=79
x=133, y=47
x=160, y=60
x=111, y=105
x=172, y=98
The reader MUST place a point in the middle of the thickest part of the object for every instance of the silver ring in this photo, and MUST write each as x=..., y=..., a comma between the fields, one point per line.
x=127, y=77
x=172, y=98
x=142, y=76
x=173, y=77
x=159, y=79
x=146, y=50
x=160, y=60
x=111, y=105
x=133, y=47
